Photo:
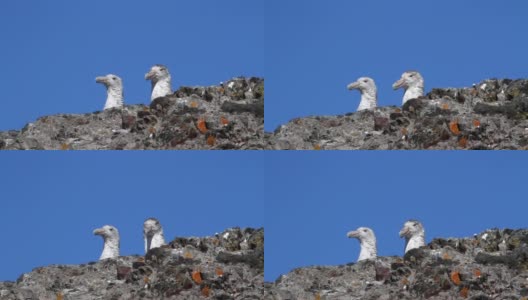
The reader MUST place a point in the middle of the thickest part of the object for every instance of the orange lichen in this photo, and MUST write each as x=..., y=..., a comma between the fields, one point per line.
x=146, y=280
x=152, y=130
x=202, y=126
x=405, y=281
x=453, y=126
x=194, y=104
x=397, y=110
x=211, y=140
x=224, y=121
x=197, y=277
x=455, y=277
x=317, y=147
x=219, y=272
x=464, y=292
x=404, y=131
x=445, y=106
x=187, y=255
x=476, y=123
x=317, y=296
x=206, y=291
x=462, y=142
x=446, y=256
x=477, y=273
x=59, y=296
x=221, y=90
x=65, y=147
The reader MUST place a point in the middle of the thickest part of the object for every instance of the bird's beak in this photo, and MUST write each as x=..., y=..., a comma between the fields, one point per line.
x=398, y=84
x=404, y=232
x=101, y=79
x=98, y=231
x=353, y=234
x=353, y=85
x=149, y=75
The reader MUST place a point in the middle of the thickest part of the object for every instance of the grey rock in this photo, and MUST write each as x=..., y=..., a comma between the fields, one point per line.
x=228, y=116
x=490, y=115
x=187, y=268
x=453, y=268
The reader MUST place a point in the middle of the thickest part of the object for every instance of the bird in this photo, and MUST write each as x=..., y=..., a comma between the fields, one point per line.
x=114, y=90
x=369, y=92
x=414, y=234
x=110, y=237
x=367, y=240
x=161, y=81
x=153, y=234
x=413, y=84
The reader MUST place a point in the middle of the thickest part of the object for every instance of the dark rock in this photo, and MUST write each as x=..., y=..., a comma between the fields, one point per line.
x=169, y=272
x=491, y=265
x=491, y=115
x=233, y=113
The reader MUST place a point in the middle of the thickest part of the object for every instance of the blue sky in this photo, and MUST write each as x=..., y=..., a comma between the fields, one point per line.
x=51, y=199
x=315, y=198
x=314, y=49
x=53, y=50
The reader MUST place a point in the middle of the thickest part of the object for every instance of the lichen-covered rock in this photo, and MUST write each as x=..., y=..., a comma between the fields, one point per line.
x=228, y=116
x=490, y=265
x=490, y=115
x=187, y=268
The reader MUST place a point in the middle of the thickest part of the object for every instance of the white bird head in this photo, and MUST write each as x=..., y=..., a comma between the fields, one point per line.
x=369, y=92
x=409, y=79
x=110, y=81
x=153, y=234
x=157, y=73
x=367, y=239
x=114, y=90
x=411, y=228
x=414, y=234
x=413, y=84
x=363, y=84
x=110, y=235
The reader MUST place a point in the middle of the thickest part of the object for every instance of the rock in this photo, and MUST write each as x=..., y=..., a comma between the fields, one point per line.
x=228, y=116
x=186, y=268
x=490, y=115
x=454, y=268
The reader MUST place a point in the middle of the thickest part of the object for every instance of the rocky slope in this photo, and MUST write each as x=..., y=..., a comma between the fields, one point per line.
x=226, y=266
x=490, y=115
x=229, y=116
x=491, y=265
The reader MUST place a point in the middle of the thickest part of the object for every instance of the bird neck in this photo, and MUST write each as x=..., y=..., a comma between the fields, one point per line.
x=413, y=92
x=415, y=241
x=110, y=249
x=155, y=241
x=369, y=100
x=161, y=88
x=368, y=250
x=114, y=97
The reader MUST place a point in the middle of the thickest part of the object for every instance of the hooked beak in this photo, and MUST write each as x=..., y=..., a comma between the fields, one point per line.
x=101, y=79
x=353, y=85
x=98, y=231
x=404, y=232
x=398, y=84
x=149, y=75
x=353, y=234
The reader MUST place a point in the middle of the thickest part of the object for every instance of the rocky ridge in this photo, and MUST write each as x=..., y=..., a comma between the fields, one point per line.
x=228, y=116
x=490, y=265
x=490, y=115
x=229, y=265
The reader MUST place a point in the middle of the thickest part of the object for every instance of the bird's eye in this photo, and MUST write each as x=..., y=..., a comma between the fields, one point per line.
x=411, y=75
x=114, y=78
x=365, y=81
x=415, y=224
x=111, y=229
x=162, y=69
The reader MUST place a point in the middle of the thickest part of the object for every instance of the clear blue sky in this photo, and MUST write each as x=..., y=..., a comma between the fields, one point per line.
x=51, y=199
x=53, y=50
x=314, y=49
x=315, y=198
